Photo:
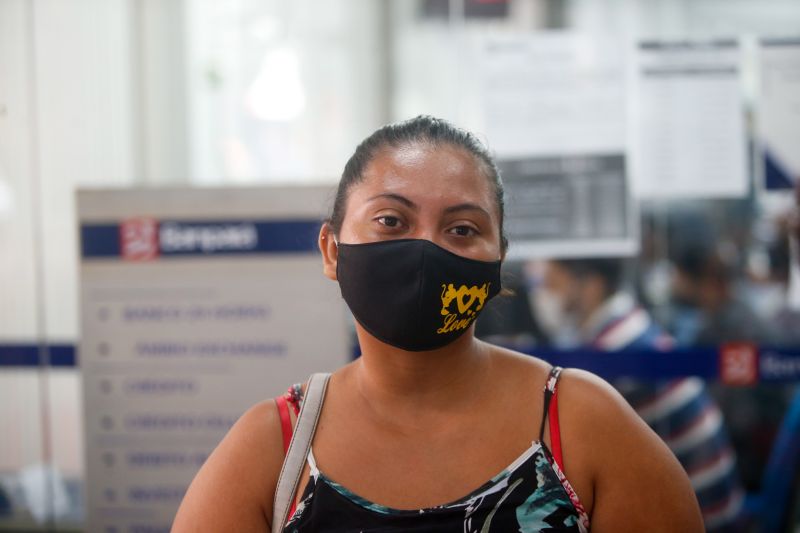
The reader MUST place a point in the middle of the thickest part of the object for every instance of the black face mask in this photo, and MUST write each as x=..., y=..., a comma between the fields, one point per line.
x=413, y=294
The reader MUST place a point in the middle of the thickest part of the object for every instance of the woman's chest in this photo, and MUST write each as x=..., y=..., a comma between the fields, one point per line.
x=419, y=467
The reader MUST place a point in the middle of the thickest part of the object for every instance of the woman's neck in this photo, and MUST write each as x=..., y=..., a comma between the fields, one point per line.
x=398, y=382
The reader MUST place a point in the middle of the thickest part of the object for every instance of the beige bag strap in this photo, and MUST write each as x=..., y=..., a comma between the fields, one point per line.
x=298, y=449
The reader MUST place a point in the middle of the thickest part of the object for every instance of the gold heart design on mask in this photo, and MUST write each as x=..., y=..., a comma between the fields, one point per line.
x=449, y=293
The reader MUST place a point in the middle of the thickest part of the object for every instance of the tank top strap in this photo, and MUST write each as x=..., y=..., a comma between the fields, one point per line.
x=550, y=414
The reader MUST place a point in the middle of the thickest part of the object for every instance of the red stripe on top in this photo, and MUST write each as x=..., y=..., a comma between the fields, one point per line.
x=555, y=431
x=286, y=422
x=286, y=430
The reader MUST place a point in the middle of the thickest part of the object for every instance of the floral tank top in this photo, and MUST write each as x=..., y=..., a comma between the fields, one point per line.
x=530, y=495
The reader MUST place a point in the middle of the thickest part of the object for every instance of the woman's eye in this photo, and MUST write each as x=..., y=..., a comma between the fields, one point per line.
x=463, y=231
x=389, y=221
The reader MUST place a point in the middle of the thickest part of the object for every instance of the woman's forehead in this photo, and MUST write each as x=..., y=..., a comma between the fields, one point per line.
x=427, y=171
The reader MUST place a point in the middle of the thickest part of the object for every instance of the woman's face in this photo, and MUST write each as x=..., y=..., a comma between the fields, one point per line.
x=417, y=191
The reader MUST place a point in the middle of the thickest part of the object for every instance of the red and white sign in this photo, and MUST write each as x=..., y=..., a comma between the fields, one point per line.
x=738, y=364
x=139, y=239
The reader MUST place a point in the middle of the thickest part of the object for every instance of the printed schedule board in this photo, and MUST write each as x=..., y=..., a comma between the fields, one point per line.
x=195, y=304
x=569, y=206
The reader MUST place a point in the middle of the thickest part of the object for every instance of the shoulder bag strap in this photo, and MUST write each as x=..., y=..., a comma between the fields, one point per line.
x=298, y=449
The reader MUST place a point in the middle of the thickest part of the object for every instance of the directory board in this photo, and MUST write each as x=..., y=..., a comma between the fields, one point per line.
x=195, y=305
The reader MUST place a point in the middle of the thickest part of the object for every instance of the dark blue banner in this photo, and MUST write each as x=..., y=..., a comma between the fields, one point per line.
x=147, y=239
x=648, y=365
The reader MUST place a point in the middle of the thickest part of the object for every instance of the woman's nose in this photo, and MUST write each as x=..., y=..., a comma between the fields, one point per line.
x=428, y=231
x=424, y=228
x=435, y=237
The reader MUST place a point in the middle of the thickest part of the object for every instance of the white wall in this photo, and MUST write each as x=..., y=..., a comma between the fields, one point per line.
x=68, y=118
x=17, y=279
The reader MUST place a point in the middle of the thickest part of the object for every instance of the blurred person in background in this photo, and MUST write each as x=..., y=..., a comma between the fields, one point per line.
x=583, y=302
x=705, y=308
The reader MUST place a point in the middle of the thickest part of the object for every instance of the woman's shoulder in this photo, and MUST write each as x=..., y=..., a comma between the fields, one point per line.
x=586, y=401
x=258, y=437
x=576, y=386
x=587, y=406
x=243, y=468
x=516, y=363
x=605, y=440
x=589, y=392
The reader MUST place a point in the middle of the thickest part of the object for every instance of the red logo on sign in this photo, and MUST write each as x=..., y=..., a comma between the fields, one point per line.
x=139, y=239
x=738, y=364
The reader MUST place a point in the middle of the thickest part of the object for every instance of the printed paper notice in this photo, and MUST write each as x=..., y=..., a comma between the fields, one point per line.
x=553, y=94
x=686, y=120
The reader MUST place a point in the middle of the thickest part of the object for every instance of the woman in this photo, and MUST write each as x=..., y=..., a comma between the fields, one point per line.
x=432, y=429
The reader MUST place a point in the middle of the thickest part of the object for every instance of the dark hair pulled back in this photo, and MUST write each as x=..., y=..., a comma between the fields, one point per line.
x=421, y=129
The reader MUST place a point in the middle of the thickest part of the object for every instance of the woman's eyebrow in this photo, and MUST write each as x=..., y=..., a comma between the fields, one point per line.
x=466, y=207
x=396, y=197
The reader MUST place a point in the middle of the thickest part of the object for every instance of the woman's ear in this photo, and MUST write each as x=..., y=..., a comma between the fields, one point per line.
x=330, y=251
